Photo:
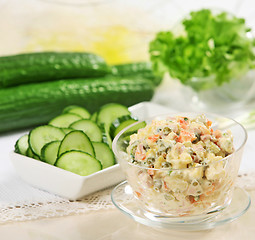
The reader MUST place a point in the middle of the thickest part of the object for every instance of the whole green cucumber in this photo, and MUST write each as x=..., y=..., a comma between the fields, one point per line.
x=47, y=66
x=137, y=69
x=33, y=104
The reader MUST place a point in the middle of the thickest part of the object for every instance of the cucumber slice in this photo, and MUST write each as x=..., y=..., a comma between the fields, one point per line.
x=82, y=112
x=123, y=125
x=49, y=152
x=106, y=136
x=94, y=117
x=121, y=119
x=109, y=112
x=78, y=162
x=39, y=136
x=76, y=140
x=89, y=127
x=21, y=146
x=64, y=120
x=120, y=123
x=30, y=154
x=136, y=127
x=126, y=135
x=104, y=154
x=106, y=115
x=67, y=130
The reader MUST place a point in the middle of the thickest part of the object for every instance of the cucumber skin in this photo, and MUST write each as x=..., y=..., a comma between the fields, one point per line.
x=34, y=104
x=47, y=66
x=132, y=69
x=137, y=69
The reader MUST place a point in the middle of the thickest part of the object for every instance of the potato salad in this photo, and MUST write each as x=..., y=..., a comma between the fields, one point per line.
x=180, y=165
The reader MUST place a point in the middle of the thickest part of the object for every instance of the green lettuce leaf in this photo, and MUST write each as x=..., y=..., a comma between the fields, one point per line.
x=214, y=49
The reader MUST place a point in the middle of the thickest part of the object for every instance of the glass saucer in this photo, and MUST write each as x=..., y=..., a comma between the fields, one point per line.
x=123, y=199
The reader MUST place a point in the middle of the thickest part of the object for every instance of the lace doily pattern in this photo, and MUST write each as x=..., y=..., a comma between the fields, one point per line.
x=63, y=207
x=58, y=208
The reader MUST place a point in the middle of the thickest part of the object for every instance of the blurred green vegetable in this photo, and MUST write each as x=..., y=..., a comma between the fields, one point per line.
x=214, y=47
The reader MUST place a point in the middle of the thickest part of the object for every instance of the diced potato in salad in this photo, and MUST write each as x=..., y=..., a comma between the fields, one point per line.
x=179, y=165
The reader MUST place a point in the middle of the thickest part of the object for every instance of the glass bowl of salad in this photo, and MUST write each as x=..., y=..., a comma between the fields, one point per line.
x=182, y=165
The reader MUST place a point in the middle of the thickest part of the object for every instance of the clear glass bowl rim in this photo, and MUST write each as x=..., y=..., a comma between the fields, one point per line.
x=115, y=140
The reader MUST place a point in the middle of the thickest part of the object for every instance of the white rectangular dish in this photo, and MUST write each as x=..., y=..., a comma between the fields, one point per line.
x=61, y=182
x=67, y=184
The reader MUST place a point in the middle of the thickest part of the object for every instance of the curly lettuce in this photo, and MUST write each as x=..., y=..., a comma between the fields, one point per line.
x=214, y=49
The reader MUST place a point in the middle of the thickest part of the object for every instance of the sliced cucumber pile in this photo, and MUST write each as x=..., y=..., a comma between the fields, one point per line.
x=77, y=140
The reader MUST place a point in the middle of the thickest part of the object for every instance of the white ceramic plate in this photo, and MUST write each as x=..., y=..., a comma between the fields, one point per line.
x=67, y=184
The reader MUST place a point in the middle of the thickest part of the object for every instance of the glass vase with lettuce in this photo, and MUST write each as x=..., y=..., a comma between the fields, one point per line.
x=213, y=57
